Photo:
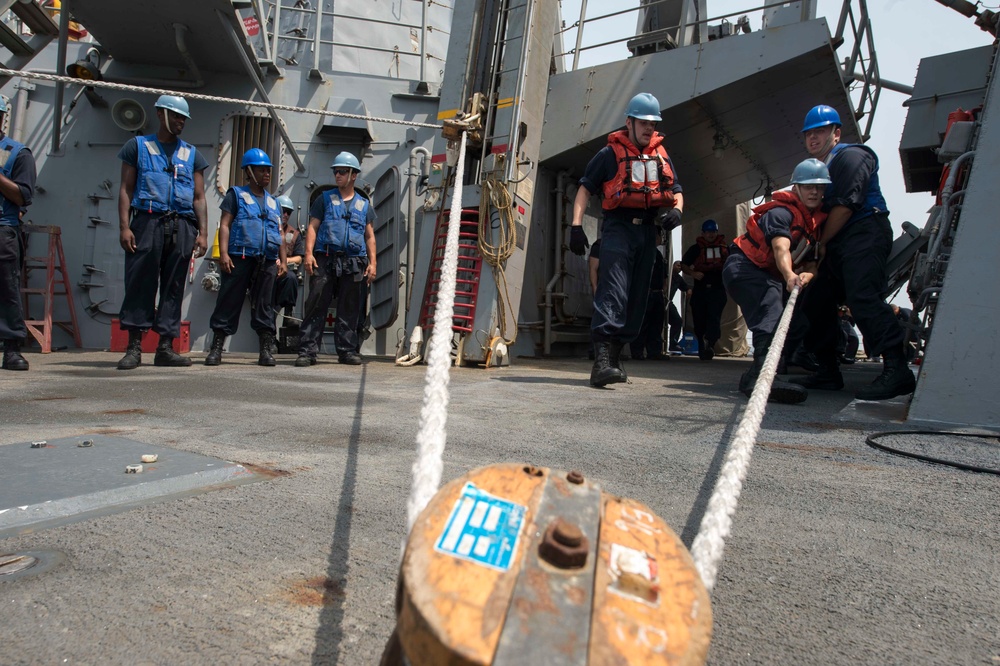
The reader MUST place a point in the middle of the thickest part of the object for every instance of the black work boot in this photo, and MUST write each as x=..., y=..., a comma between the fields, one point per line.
x=804, y=359
x=133, y=352
x=305, y=359
x=215, y=351
x=12, y=359
x=166, y=357
x=266, y=340
x=604, y=372
x=896, y=378
x=706, y=349
x=350, y=358
x=781, y=392
x=826, y=378
x=615, y=356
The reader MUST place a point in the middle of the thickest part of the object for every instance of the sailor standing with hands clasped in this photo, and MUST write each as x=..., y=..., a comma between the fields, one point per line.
x=251, y=255
x=163, y=220
x=340, y=260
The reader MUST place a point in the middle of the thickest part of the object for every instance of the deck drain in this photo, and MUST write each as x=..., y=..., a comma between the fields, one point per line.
x=13, y=563
x=28, y=563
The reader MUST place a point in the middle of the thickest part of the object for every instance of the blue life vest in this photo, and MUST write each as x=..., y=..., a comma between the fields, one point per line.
x=874, y=201
x=10, y=213
x=255, y=232
x=343, y=226
x=160, y=188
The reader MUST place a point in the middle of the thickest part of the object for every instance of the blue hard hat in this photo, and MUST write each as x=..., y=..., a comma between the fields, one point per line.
x=709, y=225
x=821, y=116
x=255, y=157
x=811, y=172
x=285, y=202
x=643, y=107
x=3, y=105
x=174, y=103
x=346, y=159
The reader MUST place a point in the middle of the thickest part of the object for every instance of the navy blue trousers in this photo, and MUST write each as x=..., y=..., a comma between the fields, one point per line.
x=760, y=295
x=256, y=274
x=160, y=262
x=707, y=304
x=854, y=273
x=339, y=276
x=627, y=255
x=11, y=315
x=649, y=341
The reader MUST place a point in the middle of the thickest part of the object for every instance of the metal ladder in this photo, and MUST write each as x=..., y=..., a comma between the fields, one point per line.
x=470, y=264
x=503, y=113
x=29, y=15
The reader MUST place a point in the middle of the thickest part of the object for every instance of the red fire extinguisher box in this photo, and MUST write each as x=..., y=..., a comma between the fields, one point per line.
x=150, y=339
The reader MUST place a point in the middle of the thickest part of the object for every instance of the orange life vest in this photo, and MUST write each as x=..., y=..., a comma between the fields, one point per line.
x=805, y=225
x=644, y=178
x=713, y=255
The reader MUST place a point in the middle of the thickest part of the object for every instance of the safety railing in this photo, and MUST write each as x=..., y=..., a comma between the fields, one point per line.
x=618, y=39
x=314, y=24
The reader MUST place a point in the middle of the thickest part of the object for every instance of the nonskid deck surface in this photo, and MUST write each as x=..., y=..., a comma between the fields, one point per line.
x=839, y=554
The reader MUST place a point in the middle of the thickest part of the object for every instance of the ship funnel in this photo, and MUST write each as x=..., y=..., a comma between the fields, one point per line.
x=129, y=115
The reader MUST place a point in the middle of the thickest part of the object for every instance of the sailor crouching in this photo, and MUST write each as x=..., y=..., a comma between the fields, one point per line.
x=760, y=267
x=251, y=256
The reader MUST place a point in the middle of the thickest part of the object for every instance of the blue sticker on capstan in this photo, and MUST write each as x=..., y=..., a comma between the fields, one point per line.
x=482, y=528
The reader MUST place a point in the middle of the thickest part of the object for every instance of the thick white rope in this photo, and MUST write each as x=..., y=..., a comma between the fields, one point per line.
x=207, y=98
x=428, y=466
x=717, y=521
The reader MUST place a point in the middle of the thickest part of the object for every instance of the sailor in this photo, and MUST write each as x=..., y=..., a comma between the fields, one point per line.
x=286, y=287
x=638, y=186
x=17, y=184
x=678, y=283
x=761, y=266
x=340, y=260
x=648, y=344
x=163, y=220
x=854, y=248
x=703, y=262
x=251, y=256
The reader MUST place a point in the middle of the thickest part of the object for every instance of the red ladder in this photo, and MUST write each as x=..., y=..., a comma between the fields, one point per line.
x=41, y=329
x=470, y=264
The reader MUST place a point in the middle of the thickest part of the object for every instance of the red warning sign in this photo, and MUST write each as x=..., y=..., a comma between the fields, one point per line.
x=252, y=26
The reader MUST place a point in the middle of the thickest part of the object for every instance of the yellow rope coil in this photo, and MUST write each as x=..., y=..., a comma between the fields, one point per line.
x=496, y=196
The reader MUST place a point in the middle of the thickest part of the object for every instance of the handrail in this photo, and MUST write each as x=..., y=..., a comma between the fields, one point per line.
x=853, y=28
x=594, y=19
x=275, y=8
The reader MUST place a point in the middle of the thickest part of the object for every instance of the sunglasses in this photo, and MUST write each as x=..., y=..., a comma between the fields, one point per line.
x=342, y=172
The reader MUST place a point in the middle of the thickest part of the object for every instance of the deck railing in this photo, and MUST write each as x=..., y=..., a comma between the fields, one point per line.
x=853, y=36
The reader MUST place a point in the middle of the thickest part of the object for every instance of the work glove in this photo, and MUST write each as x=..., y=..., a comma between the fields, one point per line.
x=578, y=242
x=670, y=219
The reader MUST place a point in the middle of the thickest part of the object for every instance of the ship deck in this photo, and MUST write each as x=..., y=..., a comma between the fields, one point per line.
x=840, y=553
